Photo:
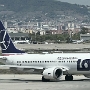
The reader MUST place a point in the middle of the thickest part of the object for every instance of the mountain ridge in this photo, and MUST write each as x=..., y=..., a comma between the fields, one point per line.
x=49, y=7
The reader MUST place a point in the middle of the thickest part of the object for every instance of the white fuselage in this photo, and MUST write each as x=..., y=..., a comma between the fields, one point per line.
x=77, y=63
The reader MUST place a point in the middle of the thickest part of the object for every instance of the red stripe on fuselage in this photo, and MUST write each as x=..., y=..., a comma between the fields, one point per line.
x=7, y=54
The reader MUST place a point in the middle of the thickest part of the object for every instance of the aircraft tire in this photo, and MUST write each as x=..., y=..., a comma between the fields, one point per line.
x=45, y=80
x=68, y=78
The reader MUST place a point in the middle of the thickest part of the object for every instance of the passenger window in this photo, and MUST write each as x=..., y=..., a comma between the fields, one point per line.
x=25, y=61
x=35, y=61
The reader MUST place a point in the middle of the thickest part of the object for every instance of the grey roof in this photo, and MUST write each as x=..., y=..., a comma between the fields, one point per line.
x=18, y=34
x=84, y=34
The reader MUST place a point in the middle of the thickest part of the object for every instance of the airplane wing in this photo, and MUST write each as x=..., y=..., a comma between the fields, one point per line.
x=16, y=66
x=64, y=69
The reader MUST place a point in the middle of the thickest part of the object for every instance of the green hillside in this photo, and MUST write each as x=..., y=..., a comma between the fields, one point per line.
x=41, y=5
x=48, y=8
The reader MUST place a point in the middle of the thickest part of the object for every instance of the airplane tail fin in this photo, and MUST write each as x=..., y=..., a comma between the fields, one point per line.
x=7, y=45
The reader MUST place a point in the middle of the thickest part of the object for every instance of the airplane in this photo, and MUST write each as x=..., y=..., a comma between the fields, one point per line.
x=77, y=41
x=51, y=66
x=21, y=42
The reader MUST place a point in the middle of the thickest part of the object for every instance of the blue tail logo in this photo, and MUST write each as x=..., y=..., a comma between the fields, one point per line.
x=6, y=42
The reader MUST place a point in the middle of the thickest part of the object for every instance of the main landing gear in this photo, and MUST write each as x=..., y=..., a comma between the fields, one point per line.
x=68, y=77
x=45, y=80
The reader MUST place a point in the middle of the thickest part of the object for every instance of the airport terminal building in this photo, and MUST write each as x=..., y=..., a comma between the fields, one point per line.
x=85, y=37
x=19, y=36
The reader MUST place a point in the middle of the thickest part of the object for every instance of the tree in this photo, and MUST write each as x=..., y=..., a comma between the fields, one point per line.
x=38, y=33
x=76, y=36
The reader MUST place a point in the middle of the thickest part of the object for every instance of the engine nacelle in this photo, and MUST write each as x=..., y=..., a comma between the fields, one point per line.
x=87, y=75
x=53, y=73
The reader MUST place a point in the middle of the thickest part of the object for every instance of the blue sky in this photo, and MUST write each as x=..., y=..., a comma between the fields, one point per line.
x=82, y=2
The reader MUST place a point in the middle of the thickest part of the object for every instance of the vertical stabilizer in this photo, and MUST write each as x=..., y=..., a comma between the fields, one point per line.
x=7, y=45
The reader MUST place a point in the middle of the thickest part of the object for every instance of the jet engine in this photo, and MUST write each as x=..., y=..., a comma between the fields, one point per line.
x=53, y=73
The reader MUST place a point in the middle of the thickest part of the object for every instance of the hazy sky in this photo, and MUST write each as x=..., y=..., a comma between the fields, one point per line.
x=82, y=2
